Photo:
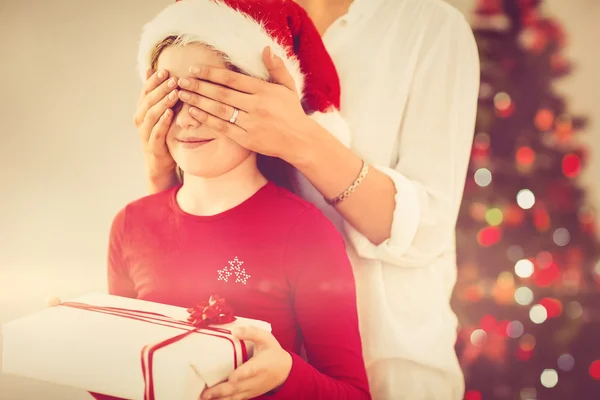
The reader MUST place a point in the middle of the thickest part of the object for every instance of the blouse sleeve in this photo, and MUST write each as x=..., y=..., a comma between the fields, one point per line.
x=434, y=146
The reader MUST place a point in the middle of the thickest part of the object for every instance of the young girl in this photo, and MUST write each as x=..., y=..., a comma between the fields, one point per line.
x=230, y=231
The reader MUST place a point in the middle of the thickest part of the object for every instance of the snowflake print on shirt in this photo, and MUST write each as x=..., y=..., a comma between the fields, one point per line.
x=234, y=268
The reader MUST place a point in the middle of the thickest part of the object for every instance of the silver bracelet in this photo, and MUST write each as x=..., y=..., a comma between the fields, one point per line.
x=352, y=188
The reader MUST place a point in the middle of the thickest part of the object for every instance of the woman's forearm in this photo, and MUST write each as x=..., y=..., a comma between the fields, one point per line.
x=331, y=167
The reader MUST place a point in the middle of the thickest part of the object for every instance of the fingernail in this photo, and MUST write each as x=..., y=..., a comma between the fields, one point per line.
x=184, y=83
x=184, y=95
x=173, y=95
x=271, y=53
x=172, y=83
x=162, y=74
x=194, y=70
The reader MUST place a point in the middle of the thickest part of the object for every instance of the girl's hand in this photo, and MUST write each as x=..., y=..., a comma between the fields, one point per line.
x=153, y=117
x=267, y=370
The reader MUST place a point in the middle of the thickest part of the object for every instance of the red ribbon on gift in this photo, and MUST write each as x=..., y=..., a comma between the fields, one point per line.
x=213, y=312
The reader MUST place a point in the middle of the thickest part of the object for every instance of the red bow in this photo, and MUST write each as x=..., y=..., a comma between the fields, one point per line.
x=212, y=312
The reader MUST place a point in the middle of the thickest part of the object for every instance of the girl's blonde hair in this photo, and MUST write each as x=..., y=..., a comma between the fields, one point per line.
x=274, y=169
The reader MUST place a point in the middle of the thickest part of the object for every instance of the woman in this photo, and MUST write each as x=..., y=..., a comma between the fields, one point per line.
x=228, y=230
x=410, y=75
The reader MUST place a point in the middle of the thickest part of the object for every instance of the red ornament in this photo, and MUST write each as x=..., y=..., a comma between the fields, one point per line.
x=525, y=156
x=571, y=165
x=489, y=236
x=545, y=277
x=473, y=395
x=524, y=355
x=502, y=328
x=541, y=218
x=544, y=119
x=595, y=370
x=488, y=323
x=553, y=306
x=212, y=312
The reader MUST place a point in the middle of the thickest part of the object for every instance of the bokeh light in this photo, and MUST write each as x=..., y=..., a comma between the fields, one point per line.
x=538, y=314
x=549, y=378
x=525, y=156
x=483, y=177
x=525, y=199
x=514, y=253
x=524, y=268
x=489, y=236
x=528, y=394
x=566, y=362
x=595, y=370
x=574, y=310
x=515, y=329
x=494, y=216
x=524, y=296
x=561, y=237
x=571, y=165
x=478, y=337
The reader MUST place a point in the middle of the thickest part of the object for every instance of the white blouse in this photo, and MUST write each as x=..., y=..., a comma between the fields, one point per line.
x=409, y=71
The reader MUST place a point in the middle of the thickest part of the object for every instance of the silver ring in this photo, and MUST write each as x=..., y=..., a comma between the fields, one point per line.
x=234, y=116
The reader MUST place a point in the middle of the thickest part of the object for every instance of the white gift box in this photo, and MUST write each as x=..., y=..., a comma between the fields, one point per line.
x=121, y=353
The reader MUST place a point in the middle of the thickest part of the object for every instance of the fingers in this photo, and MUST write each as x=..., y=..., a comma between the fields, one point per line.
x=156, y=141
x=218, y=109
x=219, y=93
x=153, y=79
x=151, y=98
x=228, y=78
x=277, y=70
x=248, y=370
x=260, y=337
x=152, y=116
x=229, y=391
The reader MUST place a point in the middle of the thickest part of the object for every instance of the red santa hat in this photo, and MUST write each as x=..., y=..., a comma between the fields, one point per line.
x=241, y=29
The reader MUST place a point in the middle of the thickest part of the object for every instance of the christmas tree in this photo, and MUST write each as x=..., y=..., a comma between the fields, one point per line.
x=528, y=288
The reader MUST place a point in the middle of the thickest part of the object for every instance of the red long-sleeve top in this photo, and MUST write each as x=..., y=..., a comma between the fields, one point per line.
x=274, y=257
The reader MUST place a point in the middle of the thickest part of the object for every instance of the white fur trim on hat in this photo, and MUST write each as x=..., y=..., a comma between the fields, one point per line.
x=225, y=29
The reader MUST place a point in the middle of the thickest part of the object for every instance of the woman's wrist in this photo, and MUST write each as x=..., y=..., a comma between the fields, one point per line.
x=327, y=163
x=302, y=153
